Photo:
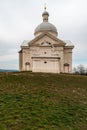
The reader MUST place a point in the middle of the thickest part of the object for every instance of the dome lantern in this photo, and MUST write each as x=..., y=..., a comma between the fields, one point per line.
x=45, y=15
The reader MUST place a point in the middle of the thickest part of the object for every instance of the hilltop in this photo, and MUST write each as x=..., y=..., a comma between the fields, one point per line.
x=38, y=101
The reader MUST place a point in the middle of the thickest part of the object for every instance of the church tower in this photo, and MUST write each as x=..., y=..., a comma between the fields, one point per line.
x=46, y=52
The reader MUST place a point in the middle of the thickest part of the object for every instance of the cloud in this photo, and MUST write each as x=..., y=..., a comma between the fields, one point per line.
x=8, y=57
x=18, y=19
x=12, y=65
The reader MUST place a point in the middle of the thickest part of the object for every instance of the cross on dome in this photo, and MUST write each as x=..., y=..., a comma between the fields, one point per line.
x=45, y=7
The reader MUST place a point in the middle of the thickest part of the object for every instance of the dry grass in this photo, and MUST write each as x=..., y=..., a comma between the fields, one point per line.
x=37, y=101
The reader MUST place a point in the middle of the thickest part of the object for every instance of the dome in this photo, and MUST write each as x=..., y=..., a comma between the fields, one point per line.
x=45, y=26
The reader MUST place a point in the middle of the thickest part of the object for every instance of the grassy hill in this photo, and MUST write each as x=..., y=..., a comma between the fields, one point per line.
x=37, y=101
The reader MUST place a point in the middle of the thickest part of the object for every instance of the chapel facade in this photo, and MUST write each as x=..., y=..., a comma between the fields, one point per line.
x=46, y=52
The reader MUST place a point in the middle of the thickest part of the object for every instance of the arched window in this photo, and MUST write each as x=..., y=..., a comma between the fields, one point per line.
x=27, y=66
x=66, y=68
x=27, y=63
x=66, y=64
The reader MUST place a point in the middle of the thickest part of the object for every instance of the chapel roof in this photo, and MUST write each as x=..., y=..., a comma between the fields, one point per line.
x=68, y=43
x=25, y=43
x=45, y=26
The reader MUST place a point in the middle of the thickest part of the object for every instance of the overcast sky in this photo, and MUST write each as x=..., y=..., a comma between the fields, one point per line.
x=19, y=18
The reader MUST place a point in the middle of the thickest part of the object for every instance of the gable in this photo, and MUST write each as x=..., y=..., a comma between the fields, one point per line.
x=46, y=39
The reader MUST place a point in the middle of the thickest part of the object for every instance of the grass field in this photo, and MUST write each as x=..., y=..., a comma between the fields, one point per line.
x=37, y=101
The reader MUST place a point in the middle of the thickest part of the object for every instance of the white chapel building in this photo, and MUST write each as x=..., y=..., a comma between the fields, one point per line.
x=46, y=52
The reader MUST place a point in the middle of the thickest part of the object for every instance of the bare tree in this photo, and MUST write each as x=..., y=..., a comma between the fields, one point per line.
x=75, y=71
x=80, y=69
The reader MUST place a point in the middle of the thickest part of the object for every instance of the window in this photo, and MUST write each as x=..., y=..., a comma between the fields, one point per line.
x=45, y=62
x=27, y=63
x=66, y=64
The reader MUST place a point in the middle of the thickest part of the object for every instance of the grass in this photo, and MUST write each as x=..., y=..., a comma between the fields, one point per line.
x=37, y=101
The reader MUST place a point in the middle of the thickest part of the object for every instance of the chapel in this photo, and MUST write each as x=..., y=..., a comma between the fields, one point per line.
x=46, y=52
